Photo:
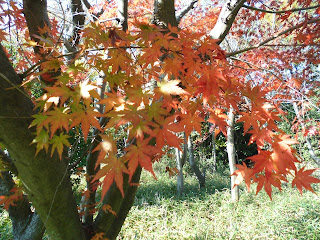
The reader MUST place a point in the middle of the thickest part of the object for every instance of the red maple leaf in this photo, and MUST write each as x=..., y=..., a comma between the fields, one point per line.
x=243, y=173
x=303, y=179
x=112, y=171
x=140, y=153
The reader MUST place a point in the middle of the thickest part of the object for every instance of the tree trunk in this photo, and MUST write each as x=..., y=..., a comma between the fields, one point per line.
x=45, y=178
x=180, y=180
x=232, y=154
x=123, y=14
x=25, y=223
x=164, y=13
x=214, y=152
x=200, y=176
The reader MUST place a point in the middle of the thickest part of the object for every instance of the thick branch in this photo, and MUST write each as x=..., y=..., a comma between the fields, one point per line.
x=91, y=172
x=123, y=14
x=273, y=37
x=126, y=205
x=35, y=12
x=281, y=11
x=226, y=18
x=105, y=220
x=78, y=18
x=25, y=223
x=91, y=186
x=186, y=10
x=164, y=13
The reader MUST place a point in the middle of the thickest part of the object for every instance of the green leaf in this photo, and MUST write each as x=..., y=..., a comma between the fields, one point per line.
x=58, y=142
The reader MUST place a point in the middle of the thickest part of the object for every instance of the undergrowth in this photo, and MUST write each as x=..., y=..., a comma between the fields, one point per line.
x=208, y=213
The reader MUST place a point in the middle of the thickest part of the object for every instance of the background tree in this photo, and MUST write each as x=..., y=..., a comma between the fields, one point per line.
x=151, y=76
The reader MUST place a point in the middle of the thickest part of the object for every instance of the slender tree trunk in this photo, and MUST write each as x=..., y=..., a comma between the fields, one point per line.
x=232, y=154
x=180, y=179
x=214, y=152
x=313, y=155
x=200, y=176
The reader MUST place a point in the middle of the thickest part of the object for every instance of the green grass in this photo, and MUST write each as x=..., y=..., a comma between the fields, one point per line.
x=5, y=226
x=209, y=214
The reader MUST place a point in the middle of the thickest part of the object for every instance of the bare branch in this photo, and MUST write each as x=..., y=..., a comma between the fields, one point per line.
x=226, y=18
x=281, y=11
x=88, y=6
x=273, y=37
x=186, y=10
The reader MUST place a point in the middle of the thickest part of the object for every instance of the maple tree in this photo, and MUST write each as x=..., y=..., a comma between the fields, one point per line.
x=152, y=69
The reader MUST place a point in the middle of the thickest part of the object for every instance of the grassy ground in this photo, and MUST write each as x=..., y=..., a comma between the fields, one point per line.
x=208, y=213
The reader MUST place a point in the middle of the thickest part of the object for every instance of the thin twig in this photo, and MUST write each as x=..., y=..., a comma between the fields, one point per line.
x=186, y=10
x=273, y=37
x=281, y=11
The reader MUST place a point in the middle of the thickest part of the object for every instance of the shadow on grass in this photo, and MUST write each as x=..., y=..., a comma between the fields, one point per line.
x=152, y=191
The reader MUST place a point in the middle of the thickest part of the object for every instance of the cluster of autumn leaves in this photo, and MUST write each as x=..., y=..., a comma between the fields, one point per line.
x=158, y=84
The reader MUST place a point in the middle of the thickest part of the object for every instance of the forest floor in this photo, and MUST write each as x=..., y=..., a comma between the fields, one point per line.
x=209, y=214
x=158, y=213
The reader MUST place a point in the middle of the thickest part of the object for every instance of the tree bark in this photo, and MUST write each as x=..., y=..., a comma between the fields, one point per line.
x=123, y=14
x=164, y=13
x=232, y=154
x=226, y=18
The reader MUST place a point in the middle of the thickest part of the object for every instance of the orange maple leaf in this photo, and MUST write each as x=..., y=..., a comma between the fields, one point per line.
x=106, y=146
x=112, y=171
x=140, y=153
x=243, y=173
x=283, y=155
x=273, y=180
x=87, y=118
x=303, y=179
x=165, y=134
x=58, y=118
x=171, y=88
